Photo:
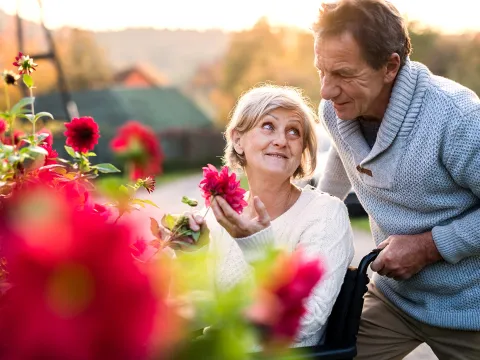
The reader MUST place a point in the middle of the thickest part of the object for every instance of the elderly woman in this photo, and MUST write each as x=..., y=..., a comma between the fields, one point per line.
x=271, y=138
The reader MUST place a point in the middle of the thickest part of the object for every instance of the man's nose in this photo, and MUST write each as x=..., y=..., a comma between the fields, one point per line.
x=329, y=88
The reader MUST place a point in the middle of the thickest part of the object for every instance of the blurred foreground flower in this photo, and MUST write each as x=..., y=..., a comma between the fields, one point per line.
x=25, y=64
x=280, y=303
x=138, y=146
x=9, y=77
x=222, y=184
x=3, y=126
x=77, y=292
x=82, y=134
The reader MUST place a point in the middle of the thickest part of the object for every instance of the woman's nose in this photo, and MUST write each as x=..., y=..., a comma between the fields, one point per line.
x=280, y=139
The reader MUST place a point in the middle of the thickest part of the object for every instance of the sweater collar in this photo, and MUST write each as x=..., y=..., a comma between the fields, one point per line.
x=402, y=110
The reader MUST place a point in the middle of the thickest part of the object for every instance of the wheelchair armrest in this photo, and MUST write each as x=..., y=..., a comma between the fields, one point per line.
x=367, y=260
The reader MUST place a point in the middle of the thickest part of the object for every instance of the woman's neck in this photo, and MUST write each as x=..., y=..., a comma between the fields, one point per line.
x=277, y=197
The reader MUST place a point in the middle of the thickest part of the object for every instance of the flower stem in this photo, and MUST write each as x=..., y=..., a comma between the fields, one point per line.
x=7, y=98
x=206, y=212
x=33, y=111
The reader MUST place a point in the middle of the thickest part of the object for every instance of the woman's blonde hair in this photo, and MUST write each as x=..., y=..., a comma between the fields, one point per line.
x=253, y=105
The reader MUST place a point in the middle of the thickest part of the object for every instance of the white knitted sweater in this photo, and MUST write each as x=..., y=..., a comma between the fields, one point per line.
x=319, y=224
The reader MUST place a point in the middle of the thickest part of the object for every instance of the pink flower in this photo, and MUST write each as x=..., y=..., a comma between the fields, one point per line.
x=77, y=292
x=25, y=64
x=281, y=302
x=3, y=126
x=221, y=183
x=82, y=134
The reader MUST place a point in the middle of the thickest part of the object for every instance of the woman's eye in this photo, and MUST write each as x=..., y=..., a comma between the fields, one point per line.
x=294, y=132
x=267, y=126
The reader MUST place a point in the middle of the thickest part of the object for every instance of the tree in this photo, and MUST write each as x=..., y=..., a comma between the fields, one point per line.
x=86, y=65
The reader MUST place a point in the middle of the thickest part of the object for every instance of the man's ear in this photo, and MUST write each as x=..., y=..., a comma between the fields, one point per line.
x=392, y=68
x=237, y=143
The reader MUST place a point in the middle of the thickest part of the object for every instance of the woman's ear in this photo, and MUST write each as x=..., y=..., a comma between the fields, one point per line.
x=237, y=143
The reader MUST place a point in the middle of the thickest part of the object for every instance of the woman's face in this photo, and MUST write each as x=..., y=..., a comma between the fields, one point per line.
x=274, y=146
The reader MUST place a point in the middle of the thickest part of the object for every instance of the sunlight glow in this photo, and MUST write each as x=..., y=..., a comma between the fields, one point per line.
x=223, y=14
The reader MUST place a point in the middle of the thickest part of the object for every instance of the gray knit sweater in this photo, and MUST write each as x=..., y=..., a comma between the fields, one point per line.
x=422, y=174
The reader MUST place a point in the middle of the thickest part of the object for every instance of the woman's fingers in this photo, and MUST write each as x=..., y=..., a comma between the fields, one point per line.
x=263, y=217
x=227, y=210
x=217, y=211
x=195, y=221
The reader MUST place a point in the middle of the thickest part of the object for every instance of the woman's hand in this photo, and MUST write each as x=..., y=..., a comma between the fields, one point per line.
x=239, y=225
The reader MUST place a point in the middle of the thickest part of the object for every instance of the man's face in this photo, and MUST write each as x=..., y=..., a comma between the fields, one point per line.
x=355, y=88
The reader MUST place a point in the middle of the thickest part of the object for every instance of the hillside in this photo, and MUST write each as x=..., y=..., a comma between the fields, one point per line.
x=176, y=53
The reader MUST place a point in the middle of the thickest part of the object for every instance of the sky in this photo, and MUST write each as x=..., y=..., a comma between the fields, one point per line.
x=452, y=17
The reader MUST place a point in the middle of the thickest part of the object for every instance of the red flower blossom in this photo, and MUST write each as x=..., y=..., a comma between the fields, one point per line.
x=3, y=126
x=49, y=139
x=138, y=145
x=82, y=134
x=77, y=293
x=280, y=304
x=222, y=184
x=17, y=137
x=25, y=64
x=51, y=157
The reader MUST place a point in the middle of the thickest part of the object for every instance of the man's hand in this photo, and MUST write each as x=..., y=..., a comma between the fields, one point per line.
x=239, y=226
x=405, y=255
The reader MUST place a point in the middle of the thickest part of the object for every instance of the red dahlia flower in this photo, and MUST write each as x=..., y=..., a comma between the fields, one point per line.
x=138, y=145
x=222, y=184
x=82, y=134
x=51, y=157
x=77, y=292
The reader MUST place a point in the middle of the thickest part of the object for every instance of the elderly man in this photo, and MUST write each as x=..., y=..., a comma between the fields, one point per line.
x=409, y=143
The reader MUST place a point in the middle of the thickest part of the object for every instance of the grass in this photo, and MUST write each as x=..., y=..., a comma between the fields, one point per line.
x=360, y=223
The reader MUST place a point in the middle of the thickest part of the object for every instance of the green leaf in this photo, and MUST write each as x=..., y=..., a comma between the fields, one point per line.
x=16, y=109
x=106, y=168
x=168, y=221
x=196, y=235
x=149, y=202
x=204, y=237
x=13, y=158
x=70, y=151
x=28, y=80
x=43, y=114
x=30, y=118
x=155, y=228
x=38, y=150
x=189, y=201
x=90, y=153
x=42, y=136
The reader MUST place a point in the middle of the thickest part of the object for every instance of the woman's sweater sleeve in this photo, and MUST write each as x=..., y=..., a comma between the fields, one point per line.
x=333, y=245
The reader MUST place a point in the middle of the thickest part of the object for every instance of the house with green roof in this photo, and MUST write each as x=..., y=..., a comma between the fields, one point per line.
x=174, y=117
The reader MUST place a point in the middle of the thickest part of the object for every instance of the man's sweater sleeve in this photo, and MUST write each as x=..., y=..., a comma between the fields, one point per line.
x=460, y=238
x=334, y=180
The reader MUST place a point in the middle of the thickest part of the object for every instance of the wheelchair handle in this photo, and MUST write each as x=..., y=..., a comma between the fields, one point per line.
x=367, y=260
